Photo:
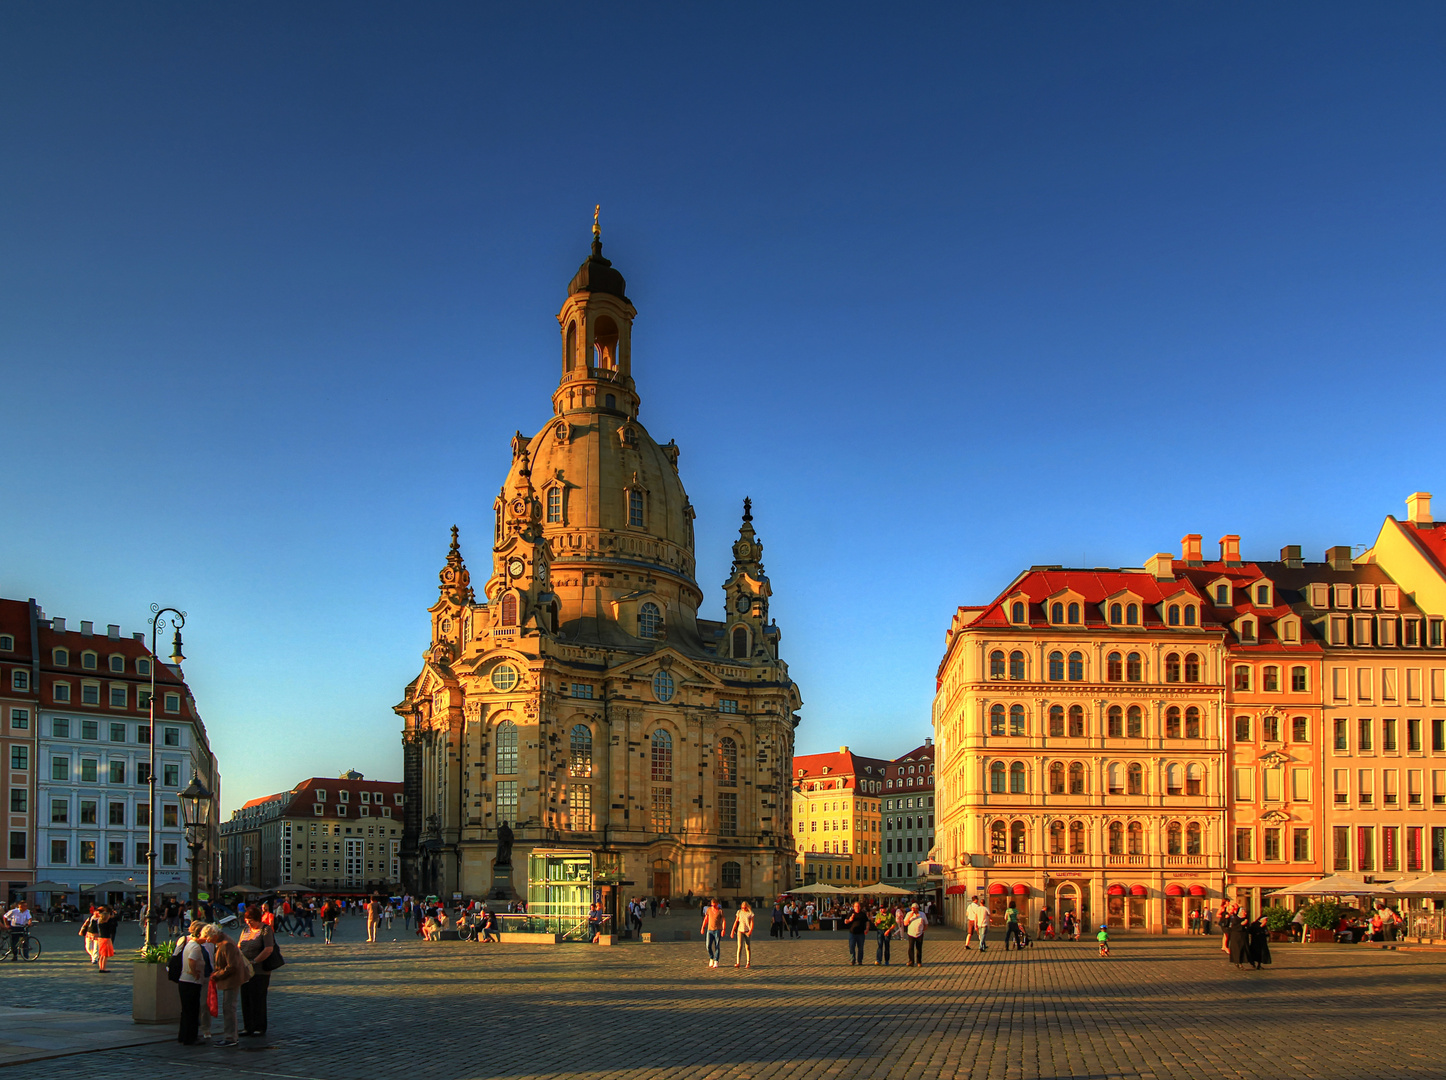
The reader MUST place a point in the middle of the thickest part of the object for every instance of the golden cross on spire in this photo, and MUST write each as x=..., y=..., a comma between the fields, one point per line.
x=596, y=231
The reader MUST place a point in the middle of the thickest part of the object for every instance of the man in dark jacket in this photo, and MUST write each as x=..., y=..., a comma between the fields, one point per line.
x=857, y=924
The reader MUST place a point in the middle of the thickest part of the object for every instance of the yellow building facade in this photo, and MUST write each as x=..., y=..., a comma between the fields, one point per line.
x=837, y=818
x=581, y=699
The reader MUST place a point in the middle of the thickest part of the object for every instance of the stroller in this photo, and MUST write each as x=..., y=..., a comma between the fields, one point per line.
x=1025, y=941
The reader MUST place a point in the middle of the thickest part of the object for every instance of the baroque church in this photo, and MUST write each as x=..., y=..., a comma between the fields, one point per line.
x=579, y=704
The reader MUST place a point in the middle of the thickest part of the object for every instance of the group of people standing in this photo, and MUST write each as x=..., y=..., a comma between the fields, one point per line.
x=1246, y=940
x=216, y=973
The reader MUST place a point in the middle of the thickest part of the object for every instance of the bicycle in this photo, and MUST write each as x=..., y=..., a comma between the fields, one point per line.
x=30, y=948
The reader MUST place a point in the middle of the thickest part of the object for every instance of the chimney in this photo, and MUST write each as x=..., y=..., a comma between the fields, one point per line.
x=87, y=628
x=928, y=742
x=1290, y=555
x=1190, y=550
x=112, y=631
x=1339, y=557
x=138, y=636
x=1161, y=566
x=1418, y=508
x=57, y=623
x=843, y=749
x=1230, y=550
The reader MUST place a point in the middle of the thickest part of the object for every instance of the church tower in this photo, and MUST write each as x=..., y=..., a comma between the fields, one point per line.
x=581, y=702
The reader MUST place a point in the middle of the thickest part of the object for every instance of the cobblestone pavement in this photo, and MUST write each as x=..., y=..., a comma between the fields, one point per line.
x=1159, y=1008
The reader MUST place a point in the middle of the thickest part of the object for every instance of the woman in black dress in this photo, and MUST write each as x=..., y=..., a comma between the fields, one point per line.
x=1259, y=950
x=1237, y=937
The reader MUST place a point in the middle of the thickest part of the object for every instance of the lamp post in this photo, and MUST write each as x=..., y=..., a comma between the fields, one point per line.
x=178, y=620
x=196, y=809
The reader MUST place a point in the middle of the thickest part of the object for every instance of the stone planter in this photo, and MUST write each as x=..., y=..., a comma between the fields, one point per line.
x=154, y=998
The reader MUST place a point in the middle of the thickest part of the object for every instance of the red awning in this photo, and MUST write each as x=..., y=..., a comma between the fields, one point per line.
x=1116, y=890
x=1139, y=890
x=1197, y=890
x=1174, y=890
x=1021, y=890
x=956, y=890
x=998, y=889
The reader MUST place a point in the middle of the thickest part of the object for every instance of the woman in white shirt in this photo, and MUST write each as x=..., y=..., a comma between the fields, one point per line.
x=196, y=965
x=743, y=931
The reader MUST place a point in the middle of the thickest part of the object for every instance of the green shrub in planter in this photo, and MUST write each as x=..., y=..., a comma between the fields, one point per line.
x=1322, y=915
x=159, y=953
x=1277, y=919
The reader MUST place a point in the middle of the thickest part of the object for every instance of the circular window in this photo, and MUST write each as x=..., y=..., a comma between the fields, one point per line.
x=504, y=677
x=663, y=686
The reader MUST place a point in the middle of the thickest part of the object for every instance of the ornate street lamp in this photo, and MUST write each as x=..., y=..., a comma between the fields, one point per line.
x=196, y=809
x=178, y=620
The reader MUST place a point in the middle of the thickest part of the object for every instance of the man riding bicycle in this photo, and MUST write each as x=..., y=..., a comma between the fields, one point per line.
x=18, y=919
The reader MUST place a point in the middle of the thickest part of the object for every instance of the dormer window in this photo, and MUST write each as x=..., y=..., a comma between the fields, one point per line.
x=635, y=508
x=1016, y=612
x=650, y=620
x=1132, y=615
x=1342, y=596
x=1319, y=596
x=1189, y=614
x=1073, y=614
x=1222, y=595
x=1056, y=613
x=1247, y=630
x=1262, y=596
x=1390, y=597
x=554, y=504
x=1116, y=614
x=1366, y=596
x=61, y=657
x=1172, y=615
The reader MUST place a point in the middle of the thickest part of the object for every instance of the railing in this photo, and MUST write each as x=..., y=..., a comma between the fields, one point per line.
x=1428, y=924
x=1127, y=860
x=1009, y=860
x=1184, y=860
x=1069, y=860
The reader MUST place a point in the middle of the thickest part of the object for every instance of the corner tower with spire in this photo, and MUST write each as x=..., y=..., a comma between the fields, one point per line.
x=582, y=700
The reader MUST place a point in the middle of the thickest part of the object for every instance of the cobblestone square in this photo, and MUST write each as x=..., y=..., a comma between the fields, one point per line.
x=1159, y=1007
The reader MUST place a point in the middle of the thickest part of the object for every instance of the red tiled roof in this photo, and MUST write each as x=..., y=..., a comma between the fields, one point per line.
x=838, y=763
x=304, y=801
x=1430, y=538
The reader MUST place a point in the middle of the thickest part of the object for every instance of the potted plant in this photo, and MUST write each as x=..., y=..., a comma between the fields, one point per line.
x=154, y=998
x=1277, y=921
x=1322, y=918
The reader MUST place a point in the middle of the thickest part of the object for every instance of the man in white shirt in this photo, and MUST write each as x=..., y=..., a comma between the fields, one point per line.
x=18, y=919
x=978, y=916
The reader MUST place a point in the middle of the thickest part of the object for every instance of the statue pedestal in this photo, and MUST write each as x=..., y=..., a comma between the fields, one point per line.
x=501, y=888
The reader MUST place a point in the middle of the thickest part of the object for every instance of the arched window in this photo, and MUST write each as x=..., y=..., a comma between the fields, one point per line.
x=635, y=508
x=1117, y=838
x=1016, y=664
x=1017, y=780
x=1074, y=614
x=1076, y=667
x=1056, y=666
x=1135, y=779
x=1116, y=614
x=1016, y=612
x=1056, y=838
x=731, y=875
x=1172, y=667
x=1134, y=667
x=554, y=504
x=580, y=763
x=1172, y=779
x=1132, y=615
x=571, y=357
x=1192, y=723
x=1076, y=838
x=996, y=720
x=1016, y=719
x=1192, y=667
x=506, y=748
x=740, y=643
x=1056, y=613
x=996, y=665
x=1247, y=630
x=727, y=762
x=1056, y=721
x=509, y=609
x=650, y=620
x=1076, y=778
x=662, y=756
x=1135, y=723
x=1270, y=678
x=1016, y=838
x=1115, y=722
x=1172, y=722
x=1076, y=722
x=1192, y=838
x=1056, y=778
x=1172, y=839
x=997, y=778
x=1114, y=667
x=1114, y=779
x=1222, y=595
x=1194, y=779
x=1173, y=615
x=1189, y=614
x=1137, y=839
x=998, y=839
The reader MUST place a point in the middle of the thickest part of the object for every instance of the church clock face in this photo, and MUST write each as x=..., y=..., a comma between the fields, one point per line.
x=516, y=567
x=743, y=604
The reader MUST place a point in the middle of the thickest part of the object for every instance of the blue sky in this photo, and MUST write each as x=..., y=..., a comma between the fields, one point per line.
x=947, y=291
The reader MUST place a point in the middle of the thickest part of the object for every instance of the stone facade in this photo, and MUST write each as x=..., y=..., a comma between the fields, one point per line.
x=580, y=700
